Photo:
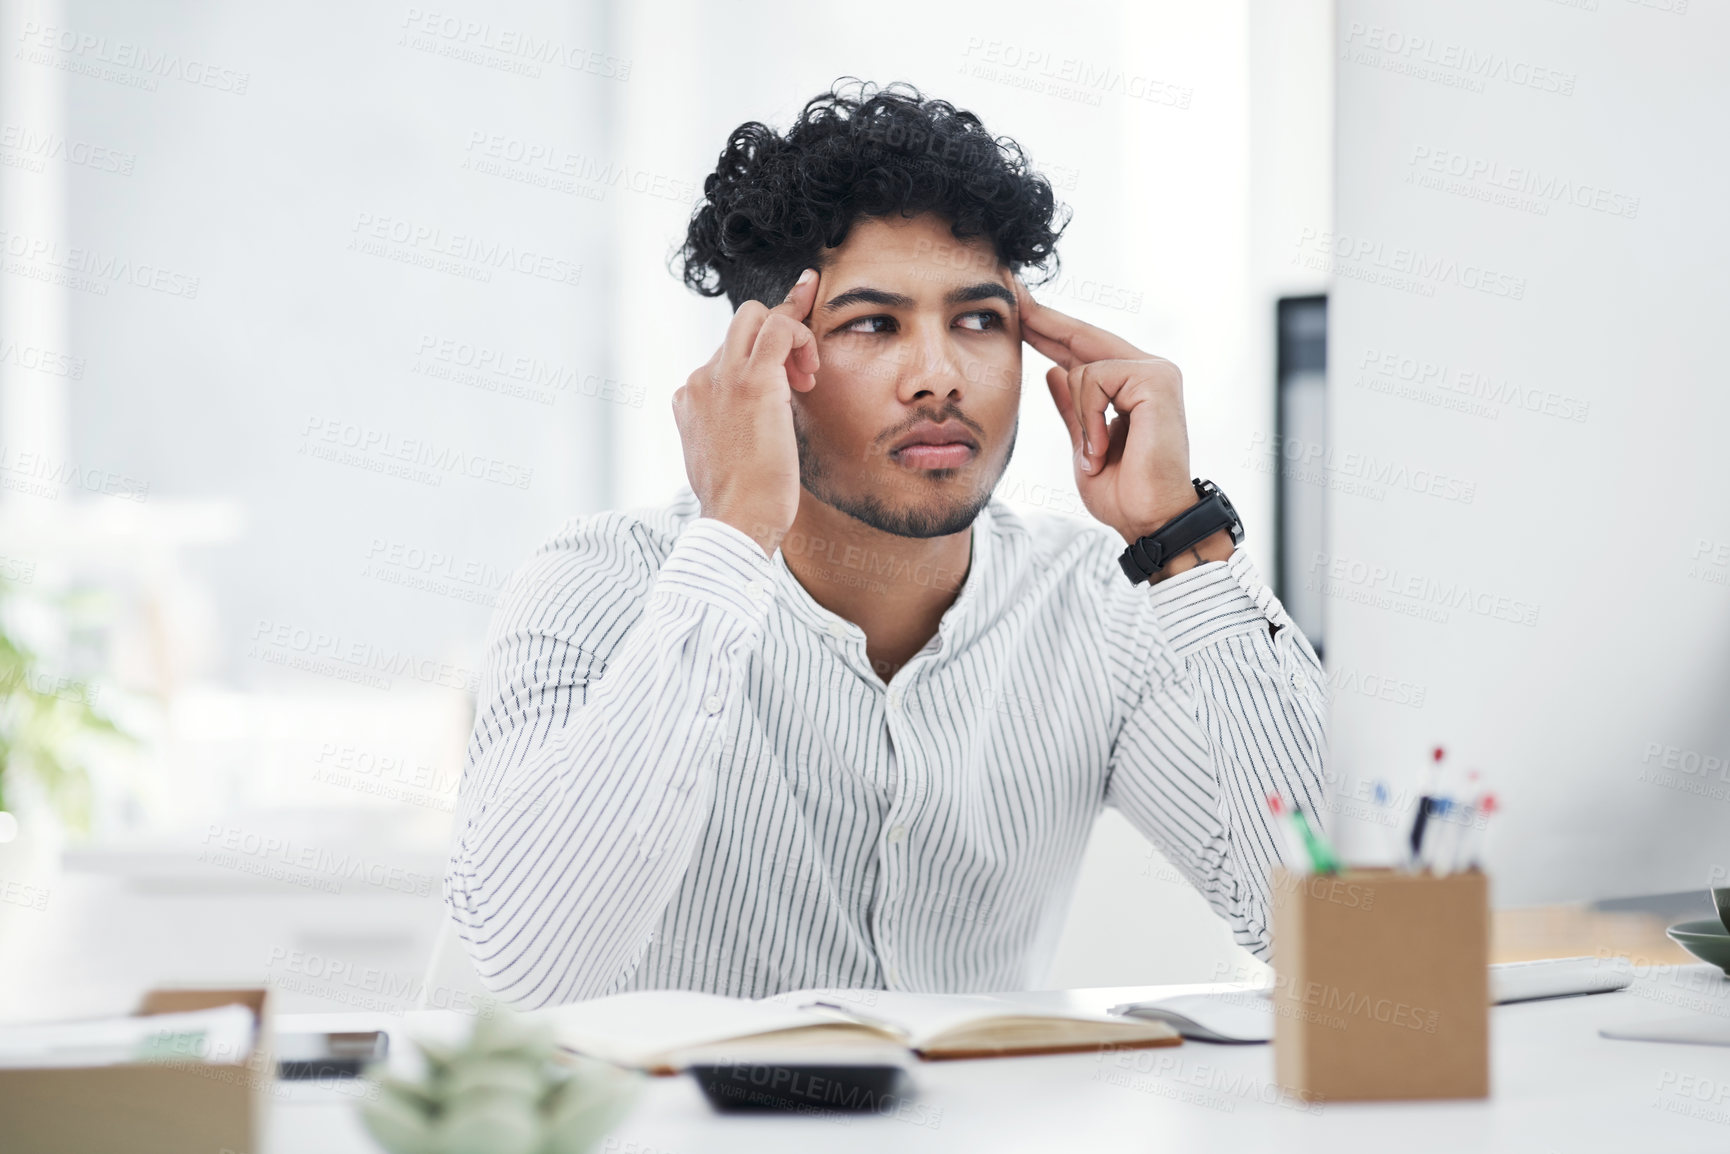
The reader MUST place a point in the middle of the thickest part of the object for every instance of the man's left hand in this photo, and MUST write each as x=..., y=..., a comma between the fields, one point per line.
x=1133, y=472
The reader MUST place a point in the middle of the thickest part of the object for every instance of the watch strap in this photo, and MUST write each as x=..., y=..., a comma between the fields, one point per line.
x=1147, y=555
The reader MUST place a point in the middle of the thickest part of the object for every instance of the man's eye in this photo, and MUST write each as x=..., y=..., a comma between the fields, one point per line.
x=876, y=325
x=981, y=321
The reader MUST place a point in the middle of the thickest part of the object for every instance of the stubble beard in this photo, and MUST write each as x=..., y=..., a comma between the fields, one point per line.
x=871, y=509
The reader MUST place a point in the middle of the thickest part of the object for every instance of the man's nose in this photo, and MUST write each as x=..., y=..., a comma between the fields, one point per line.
x=931, y=369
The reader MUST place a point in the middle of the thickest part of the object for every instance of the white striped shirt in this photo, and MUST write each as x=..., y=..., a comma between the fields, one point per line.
x=685, y=772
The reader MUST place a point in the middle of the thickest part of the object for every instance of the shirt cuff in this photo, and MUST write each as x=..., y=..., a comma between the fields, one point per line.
x=1215, y=600
x=719, y=565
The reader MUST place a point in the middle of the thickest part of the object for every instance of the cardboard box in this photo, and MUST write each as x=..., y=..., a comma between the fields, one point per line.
x=1382, y=984
x=147, y=1107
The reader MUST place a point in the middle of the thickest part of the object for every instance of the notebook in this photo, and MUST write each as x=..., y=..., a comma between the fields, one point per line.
x=1695, y=1031
x=664, y=1031
x=1246, y=1015
x=219, y=1034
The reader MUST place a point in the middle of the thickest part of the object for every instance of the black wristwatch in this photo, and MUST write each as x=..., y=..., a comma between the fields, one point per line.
x=1148, y=555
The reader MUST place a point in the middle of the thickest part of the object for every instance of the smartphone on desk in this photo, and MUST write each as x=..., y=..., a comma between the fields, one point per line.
x=320, y=1055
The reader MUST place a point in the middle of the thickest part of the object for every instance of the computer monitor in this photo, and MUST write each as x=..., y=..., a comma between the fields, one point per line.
x=1528, y=553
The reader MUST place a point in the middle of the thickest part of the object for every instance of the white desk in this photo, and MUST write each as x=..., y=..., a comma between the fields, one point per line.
x=1556, y=1086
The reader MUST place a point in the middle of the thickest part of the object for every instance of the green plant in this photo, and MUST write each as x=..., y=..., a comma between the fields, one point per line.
x=508, y=1090
x=46, y=723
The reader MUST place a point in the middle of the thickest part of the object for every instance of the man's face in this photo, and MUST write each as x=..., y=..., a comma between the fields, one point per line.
x=914, y=414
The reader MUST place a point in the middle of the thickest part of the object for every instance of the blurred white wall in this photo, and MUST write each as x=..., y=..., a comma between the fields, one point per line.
x=346, y=271
x=327, y=291
x=1526, y=359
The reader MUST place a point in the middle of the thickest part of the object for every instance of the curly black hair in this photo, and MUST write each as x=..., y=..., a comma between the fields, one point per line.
x=775, y=201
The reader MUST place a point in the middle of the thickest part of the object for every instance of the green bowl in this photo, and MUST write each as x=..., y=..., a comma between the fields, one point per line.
x=1706, y=939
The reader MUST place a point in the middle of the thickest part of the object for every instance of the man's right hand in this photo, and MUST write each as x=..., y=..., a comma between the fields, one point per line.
x=735, y=417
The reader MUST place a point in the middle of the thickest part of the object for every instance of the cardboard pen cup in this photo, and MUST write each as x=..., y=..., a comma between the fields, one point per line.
x=1382, y=984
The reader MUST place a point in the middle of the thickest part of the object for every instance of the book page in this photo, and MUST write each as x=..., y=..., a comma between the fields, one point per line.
x=925, y=1017
x=638, y=1028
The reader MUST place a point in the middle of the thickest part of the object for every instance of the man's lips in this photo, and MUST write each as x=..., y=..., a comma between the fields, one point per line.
x=933, y=446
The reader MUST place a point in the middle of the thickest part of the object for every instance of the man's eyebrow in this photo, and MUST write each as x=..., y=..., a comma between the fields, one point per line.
x=984, y=290
x=867, y=296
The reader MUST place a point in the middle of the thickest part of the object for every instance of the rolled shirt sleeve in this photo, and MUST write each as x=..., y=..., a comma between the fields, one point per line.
x=1233, y=709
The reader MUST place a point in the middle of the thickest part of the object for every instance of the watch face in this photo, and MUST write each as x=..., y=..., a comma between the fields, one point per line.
x=1230, y=509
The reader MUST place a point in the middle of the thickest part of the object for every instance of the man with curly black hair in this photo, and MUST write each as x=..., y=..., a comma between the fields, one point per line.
x=837, y=717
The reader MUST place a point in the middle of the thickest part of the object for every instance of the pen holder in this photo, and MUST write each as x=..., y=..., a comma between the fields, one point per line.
x=1382, y=984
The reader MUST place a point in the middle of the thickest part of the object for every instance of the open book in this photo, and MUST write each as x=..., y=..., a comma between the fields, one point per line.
x=667, y=1030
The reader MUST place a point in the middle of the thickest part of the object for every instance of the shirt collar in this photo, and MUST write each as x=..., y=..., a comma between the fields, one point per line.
x=960, y=622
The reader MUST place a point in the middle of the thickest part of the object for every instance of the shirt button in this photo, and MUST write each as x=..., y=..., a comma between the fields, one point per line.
x=1300, y=683
x=837, y=630
x=898, y=835
x=755, y=589
x=712, y=706
x=894, y=976
x=895, y=698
